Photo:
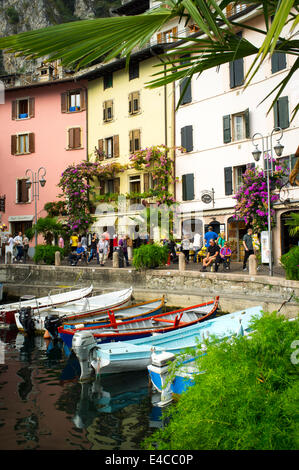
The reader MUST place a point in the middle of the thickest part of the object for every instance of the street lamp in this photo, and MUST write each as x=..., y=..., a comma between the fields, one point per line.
x=267, y=148
x=37, y=178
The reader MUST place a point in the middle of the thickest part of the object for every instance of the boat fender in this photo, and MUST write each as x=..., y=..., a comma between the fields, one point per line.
x=26, y=320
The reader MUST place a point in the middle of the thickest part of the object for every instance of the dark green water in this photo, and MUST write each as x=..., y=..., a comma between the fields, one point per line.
x=43, y=406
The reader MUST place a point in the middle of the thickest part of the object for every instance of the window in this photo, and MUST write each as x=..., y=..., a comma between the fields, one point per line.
x=108, y=147
x=111, y=186
x=188, y=187
x=22, y=195
x=187, y=138
x=185, y=88
x=236, y=126
x=168, y=36
x=108, y=111
x=233, y=178
x=74, y=138
x=73, y=101
x=281, y=113
x=147, y=182
x=232, y=9
x=236, y=70
x=133, y=70
x=108, y=80
x=287, y=162
x=135, y=187
x=134, y=137
x=134, y=102
x=22, y=144
x=23, y=108
x=2, y=203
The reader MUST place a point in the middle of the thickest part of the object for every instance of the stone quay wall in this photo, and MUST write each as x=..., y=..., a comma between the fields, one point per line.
x=180, y=289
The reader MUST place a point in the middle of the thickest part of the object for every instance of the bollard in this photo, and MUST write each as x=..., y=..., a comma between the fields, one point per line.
x=182, y=262
x=252, y=265
x=212, y=267
x=57, y=258
x=115, y=262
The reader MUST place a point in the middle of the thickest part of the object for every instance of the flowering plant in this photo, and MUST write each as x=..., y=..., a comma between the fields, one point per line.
x=252, y=197
x=76, y=189
x=159, y=163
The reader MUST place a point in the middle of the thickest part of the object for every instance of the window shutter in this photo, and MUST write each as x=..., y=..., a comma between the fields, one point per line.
x=102, y=187
x=131, y=141
x=31, y=138
x=64, y=100
x=136, y=137
x=115, y=146
x=101, y=148
x=250, y=165
x=77, y=137
x=247, y=124
x=13, y=144
x=187, y=138
x=136, y=101
x=281, y=113
x=71, y=138
x=22, y=191
x=146, y=182
x=175, y=33
x=31, y=107
x=82, y=100
x=116, y=185
x=159, y=38
x=130, y=103
x=14, y=109
x=187, y=98
x=227, y=137
x=188, y=187
x=278, y=61
x=228, y=180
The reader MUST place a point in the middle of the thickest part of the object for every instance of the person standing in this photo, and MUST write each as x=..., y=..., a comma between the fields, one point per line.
x=60, y=241
x=210, y=235
x=186, y=247
x=74, y=241
x=25, y=248
x=123, y=245
x=197, y=245
x=248, y=247
x=9, y=247
x=19, y=245
x=93, y=248
x=129, y=247
x=103, y=250
x=221, y=239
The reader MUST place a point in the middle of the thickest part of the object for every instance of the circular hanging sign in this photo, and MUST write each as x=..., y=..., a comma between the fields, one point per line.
x=206, y=198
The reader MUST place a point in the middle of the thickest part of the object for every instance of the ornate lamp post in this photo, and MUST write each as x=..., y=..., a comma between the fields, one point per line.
x=267, y=151
x=37, y=178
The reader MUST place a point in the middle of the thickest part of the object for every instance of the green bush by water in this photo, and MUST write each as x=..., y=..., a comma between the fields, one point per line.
x=150, y=256
x=247, y=399
x=46, y=253
x=290, y=262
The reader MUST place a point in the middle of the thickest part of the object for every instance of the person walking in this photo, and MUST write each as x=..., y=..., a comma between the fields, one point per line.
x=248, y=247
x=93, y=248
x=103, y=250
x=197, y=245
x=18, y=240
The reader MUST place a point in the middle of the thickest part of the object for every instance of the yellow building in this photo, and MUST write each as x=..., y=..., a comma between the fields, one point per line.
x=124, y=116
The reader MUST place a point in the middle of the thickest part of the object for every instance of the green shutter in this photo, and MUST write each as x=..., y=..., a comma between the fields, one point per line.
x=227, y=137
x=188, y=187
x=228, y=180
x=187, y=138
x=247, y=124
x=278, y=62
x=185, y=91
x=281, y=113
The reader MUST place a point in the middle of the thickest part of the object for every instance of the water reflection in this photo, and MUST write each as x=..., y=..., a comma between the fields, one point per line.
x=44, y=406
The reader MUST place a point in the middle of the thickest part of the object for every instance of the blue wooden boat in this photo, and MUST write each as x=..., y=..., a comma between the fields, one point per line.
x=143, y=327
x=136, y=354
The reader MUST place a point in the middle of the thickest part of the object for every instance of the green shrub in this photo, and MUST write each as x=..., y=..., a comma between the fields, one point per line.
x=246, y=400
x=150, y=256
x=46, y=253
x=290, y=263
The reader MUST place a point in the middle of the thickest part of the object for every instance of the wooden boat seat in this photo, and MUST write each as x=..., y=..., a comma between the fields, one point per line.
x=175, y=322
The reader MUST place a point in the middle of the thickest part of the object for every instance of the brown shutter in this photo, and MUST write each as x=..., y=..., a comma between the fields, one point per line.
x=115, y=146
x=14, y=109
x=64, y=102
x=229, y=10
x=71, y=138
x=174, y=33
x=24, y=191
x=31, y=138
x=136, y=97
x=104, y=111
x=13, y=144
x=77, y=137
x=101, y=148
x=116, y=184
x=146, y=182
x=130, y=103
x=31, y=107
x=131, y=141
x=82, y=100
x=159, y=38
x=136, y=137
x=102, y=187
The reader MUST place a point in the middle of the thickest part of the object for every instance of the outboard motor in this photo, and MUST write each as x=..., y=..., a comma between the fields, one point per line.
x=52, y=322
x=26, y=320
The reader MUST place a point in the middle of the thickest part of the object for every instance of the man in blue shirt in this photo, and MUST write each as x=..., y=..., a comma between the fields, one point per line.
x=210, y=235
x=76, y=255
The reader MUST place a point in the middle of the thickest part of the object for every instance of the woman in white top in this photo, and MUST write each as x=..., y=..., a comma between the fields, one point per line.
x=103, y=250
x=9, y=247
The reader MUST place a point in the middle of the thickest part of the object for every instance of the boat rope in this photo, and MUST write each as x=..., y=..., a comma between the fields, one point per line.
x=286, y=301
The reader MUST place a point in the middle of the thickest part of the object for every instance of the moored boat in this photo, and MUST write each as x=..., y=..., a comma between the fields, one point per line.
x=136, y=354
x=31, y=322
x=145, y=326
x=8, y=311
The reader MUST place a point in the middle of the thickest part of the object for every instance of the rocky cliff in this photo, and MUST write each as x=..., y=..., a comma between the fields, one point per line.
x=24, y=15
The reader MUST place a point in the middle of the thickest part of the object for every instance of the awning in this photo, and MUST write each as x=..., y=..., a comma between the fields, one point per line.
x=103, y=221
x=20, y=218
x=130, y=220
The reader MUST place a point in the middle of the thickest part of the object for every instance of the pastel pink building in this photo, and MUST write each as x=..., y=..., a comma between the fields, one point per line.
x=43, y=125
